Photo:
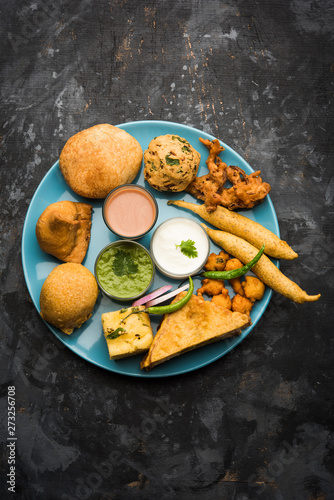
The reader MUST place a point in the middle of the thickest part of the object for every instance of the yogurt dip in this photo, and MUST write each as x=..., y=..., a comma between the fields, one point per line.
x=166, y=251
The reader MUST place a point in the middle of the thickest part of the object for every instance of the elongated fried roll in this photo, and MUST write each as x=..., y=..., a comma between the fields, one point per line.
x=241, y=226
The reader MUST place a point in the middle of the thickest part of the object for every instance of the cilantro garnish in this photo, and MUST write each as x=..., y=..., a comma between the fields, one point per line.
x=188, y=248
x=123, y=263
x=179, y=139
x=172, y=161
x=116, y=333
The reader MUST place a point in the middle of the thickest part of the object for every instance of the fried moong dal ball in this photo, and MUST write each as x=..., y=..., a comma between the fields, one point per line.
x=170, y=163
x=68, y=296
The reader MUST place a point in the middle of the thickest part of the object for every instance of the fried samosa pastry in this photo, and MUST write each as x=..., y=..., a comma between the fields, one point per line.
x=241, y=226
x=198, y=323
x=264, y=269
x=63, y=230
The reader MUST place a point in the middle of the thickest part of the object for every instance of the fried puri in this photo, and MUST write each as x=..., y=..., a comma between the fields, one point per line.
x=68, y=296
x=63, y=230
x=170, y=163
x=98, y=159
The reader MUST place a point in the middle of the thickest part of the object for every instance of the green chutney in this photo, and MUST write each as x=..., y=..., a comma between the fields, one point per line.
x=124, y=270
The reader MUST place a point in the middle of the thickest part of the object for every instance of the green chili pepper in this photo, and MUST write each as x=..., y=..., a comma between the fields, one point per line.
x=173, y=307
x=164, y=309
x=235, y=273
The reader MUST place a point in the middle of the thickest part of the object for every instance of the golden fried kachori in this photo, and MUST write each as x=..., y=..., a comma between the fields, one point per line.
x=100, y=158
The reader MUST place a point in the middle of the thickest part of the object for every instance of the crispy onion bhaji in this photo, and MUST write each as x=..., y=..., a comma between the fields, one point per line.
x=246, y=191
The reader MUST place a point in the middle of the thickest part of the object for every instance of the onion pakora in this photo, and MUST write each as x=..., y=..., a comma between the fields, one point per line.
x=246, y=191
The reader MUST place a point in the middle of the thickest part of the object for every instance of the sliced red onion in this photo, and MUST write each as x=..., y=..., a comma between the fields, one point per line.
x=152, y=295
x=167, y=296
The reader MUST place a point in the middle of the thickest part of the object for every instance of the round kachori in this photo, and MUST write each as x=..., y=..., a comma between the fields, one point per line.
x=99, y=159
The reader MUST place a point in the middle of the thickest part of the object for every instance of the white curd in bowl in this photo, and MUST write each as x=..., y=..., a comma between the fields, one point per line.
x=167, y=254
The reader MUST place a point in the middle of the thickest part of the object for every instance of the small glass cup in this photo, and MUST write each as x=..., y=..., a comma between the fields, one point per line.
x=172, y=262
x=130, y=211
x=115, y=295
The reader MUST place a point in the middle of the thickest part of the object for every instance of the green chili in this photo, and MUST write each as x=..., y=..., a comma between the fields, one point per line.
x=235, y=273
x=173, y=307
x=164, y=309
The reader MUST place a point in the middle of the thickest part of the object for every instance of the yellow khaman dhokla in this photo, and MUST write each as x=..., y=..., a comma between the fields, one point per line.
x=127, y=336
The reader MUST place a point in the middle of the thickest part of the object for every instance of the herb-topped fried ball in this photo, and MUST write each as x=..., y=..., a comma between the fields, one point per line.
x=170, y=163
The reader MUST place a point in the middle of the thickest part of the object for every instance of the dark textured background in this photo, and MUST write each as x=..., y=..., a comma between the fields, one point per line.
x=258, y=423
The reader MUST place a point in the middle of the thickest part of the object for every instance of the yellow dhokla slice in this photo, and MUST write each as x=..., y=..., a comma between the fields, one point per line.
x=127, y=336
x=198, y=323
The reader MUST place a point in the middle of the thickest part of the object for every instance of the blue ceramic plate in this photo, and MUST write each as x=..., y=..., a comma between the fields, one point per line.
x=88, y=341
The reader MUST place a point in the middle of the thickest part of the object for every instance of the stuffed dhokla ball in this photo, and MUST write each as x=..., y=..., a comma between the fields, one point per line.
x=170, y=163
x=99, y=159
x=68, y=296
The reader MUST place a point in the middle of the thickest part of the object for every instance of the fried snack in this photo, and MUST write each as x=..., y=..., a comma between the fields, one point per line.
x=127, y=337
x=63, y=230
x=216, y=262
x=264, y=269
x=170, y=163
x=223, y=299
x=241, y=304
x=209, y=187
x=241, y=226
x=253, y=288
x=68, y=296
x=99, y=159
x=246, y=191
x=198, y=323
x=211, y=287
x=235, y=282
